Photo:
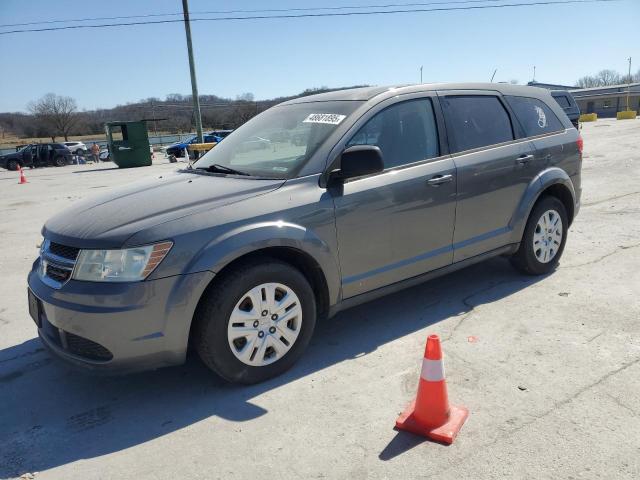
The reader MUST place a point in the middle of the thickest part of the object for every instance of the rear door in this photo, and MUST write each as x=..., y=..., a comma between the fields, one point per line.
x=495, y=163
x=399, y=223
x=542, y=127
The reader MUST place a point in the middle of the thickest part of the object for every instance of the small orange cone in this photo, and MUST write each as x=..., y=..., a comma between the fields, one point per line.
x=430, y=414
x=23, y=179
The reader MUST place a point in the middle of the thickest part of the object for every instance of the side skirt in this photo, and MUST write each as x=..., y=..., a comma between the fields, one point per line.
x=410, y=282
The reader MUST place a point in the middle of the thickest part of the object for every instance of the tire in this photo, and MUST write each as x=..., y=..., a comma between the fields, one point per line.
x=59, y=162
x=215, y=342
x=79, y=152
x=539, y=261
x=13, y=165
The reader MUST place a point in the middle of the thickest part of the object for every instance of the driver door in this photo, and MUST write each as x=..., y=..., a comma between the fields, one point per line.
x=397, y=224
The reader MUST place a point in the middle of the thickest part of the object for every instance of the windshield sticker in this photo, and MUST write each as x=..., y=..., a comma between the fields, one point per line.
x=328, y=118
x=542, y=118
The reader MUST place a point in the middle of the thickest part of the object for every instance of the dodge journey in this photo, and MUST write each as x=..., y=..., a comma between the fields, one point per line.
x=313, y=206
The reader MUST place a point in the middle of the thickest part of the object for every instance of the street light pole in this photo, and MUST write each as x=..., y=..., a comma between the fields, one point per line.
x=192, y=70
x=628, y=84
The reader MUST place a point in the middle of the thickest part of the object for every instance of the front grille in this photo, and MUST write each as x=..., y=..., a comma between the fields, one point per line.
x=70, y=253
x=57, y=262
x=58, y=274
x=86, y=348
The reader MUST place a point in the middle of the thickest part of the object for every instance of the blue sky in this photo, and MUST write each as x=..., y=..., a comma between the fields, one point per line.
x=106, y=67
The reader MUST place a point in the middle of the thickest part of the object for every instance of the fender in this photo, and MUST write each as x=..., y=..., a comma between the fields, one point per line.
x=545, y=179
x=233, y=244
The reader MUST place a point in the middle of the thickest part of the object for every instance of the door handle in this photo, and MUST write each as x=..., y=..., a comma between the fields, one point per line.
x=439, y=180
x=524, y=159
x=124, y=149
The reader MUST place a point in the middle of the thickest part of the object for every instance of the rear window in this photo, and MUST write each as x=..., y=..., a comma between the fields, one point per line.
x=562, y=100
x=535, y=116
x=475, y=121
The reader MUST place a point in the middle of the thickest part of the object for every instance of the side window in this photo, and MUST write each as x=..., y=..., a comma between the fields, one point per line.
x=475, y=121
x=119, y=133
x=535, y=116
x=405, y=132
x=562, y=100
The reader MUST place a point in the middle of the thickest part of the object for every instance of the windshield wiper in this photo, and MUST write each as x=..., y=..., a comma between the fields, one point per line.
x=221, y=168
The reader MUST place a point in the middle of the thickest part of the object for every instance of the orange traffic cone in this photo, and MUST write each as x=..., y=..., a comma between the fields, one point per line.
x=23, y=179
x=430, y=414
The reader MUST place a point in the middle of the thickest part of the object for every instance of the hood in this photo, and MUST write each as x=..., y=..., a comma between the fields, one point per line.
x=7, y=156
x=107, y=221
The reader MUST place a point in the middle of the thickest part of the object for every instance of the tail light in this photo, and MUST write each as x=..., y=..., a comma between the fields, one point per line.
x=580, y=144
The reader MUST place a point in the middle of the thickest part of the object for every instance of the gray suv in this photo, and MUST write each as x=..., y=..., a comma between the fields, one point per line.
x=313, y=206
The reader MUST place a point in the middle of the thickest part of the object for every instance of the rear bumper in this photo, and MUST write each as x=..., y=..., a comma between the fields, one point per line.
x=119, y=328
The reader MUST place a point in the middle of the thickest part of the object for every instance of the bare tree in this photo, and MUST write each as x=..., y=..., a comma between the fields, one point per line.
x=608, y=77
x=57, y=114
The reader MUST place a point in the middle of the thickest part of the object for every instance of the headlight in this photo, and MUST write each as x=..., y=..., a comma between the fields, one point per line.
x=126, y=265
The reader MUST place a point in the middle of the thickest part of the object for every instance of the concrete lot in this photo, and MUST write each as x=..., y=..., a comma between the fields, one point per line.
x=552, y=380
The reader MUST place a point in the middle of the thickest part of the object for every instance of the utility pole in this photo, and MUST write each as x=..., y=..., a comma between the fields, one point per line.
x=628, y=84
x=192, y=70
x=421, y=73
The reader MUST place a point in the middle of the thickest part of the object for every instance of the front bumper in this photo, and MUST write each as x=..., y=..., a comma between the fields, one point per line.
x=119, y=327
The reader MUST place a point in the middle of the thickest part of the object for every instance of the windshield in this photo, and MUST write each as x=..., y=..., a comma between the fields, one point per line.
x=279, y=141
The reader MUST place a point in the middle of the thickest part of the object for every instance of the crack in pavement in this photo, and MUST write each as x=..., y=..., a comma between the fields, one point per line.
x=619, y=403
x=556, y=405
x=471, y=307
x=599, y=259
x=598, y=202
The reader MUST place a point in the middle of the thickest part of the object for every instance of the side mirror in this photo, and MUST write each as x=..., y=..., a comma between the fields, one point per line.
x=359, y=160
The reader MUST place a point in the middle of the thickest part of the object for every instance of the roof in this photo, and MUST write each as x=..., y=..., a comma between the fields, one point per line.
x=606, y=87
x=367, y=93
x=550, y=86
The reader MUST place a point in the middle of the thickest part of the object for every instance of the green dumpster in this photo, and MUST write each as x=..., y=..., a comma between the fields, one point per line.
x=128, y=143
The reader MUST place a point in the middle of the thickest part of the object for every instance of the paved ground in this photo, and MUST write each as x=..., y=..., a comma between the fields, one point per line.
x=552, y=382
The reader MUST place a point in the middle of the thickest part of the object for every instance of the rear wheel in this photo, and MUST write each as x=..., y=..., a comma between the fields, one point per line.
x=256, y=322
x=544, y=238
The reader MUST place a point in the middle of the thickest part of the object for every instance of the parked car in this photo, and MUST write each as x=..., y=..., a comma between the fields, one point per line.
x=177, y=149
x=78, y=148
x=104, y=155
x=37, y=155
x=241, y=254
x=568, y=104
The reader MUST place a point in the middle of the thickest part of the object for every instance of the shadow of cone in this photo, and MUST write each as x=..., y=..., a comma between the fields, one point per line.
x=23, y=179
x=430, y=414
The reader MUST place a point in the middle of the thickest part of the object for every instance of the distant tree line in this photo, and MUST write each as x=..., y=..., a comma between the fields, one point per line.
x=56, y=116
x=605, y=78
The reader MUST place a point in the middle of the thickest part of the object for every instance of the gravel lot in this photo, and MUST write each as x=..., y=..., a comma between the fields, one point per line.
x=552, y=379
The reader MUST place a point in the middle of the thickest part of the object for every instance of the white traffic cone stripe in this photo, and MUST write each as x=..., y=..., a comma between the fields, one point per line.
x=432, y=370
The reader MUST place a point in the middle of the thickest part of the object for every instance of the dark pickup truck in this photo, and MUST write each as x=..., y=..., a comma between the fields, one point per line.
x=37, y=155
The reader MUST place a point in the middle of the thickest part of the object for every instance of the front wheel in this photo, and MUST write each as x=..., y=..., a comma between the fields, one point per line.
x=59, y=162
x=256, y=322
x=544, y=238
x=13, y=165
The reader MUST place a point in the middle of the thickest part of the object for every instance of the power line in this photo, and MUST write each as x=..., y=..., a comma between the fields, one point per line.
x=271, y=10
x=312, y=15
